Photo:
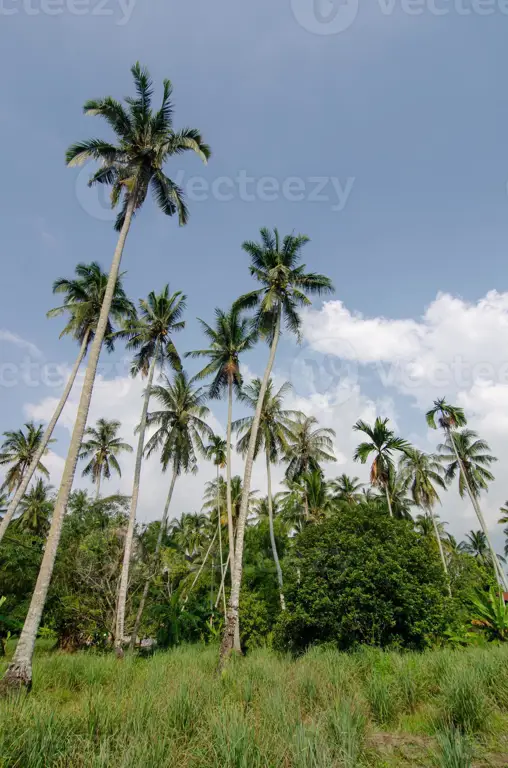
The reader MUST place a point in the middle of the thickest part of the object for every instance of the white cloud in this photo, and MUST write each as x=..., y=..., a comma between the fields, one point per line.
x=18, y=341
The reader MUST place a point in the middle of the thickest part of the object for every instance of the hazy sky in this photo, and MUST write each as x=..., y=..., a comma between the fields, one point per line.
x=379, y=130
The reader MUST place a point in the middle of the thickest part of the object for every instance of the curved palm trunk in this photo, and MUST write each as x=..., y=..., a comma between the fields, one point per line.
x=388, y=500
x=23, y=485
x=200, y=569
x=162, y=528
x=124, y=577
x=236, y=578
x=441, y=551
x=19, y=671
x=500, y=574
x=220, y=539
x=272, y=534
x=231, y=529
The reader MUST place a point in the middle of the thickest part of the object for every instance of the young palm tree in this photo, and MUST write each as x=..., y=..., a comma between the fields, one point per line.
x=36, y=507
x=424, y=472
x=102, y=448
x=18, y=450
x=398, y=487
x=229, y=338
x=216, y=451
x=284, y=289
x=348, y=489
x=316, y=494
x=180, y=429
x=308, y=447
x=450, y=418
x=150, y=334
x=476, y=544
x=84, y=295
x=146, y=140
x=383, y=443
x=276, y=429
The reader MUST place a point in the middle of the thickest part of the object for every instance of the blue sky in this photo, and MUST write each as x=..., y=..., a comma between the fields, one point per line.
x=411, y=109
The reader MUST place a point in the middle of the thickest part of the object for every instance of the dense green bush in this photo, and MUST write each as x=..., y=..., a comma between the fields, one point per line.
x=360, y=577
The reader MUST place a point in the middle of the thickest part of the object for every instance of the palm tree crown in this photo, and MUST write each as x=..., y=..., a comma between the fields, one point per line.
x=423, y=472
x=383, y=443
x=18, y=449
x=102, y=447
x=308, y=447
x=475, y=459
x=146, y=140
x=347, y=489
x=445, y=415
x=36, y=507
x=84, y=296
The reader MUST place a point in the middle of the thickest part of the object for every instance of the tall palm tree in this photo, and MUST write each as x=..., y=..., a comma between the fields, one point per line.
x=180, y=427
x=216, y=451
x=284, y=288
x=36, y=507
x=348, y=489
x=450, y=418
x=102, y=448
x=84, y=295
x=146, y=140
x=307, y=447
x=276, y=429
x=18, y=450
x=382, y=443
x=425, y=473
x=150, y=334
x=231, y=336
x=398, y=487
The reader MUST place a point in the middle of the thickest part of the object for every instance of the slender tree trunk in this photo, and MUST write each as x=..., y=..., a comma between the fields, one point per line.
x=231, y=530
x=162, y=528
x=23, y=485
x=98, y=491
x=236, y=579
x=441, y=551
x=388, y=500
x=500, y=574
x=220, y=537
x=221, y=588
x=200, y=569
x=124, y=576
x=272, y=534
x=19, y=671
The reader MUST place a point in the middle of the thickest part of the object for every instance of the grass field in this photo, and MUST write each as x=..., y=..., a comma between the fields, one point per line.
x=443, y=708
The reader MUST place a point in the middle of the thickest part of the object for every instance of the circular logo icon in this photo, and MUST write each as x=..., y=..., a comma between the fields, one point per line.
x=321, y=373
x=325, y=17
x=94, y=200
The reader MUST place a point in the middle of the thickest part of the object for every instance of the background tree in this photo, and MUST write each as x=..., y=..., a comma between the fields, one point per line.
x=17, y=452
x=102, y=448
x=476, y=544
x=36, y=508
x=308, y=447
x=216, y=451
x=284, y=289
x=84, y=295
x=346, y=488
x=383, y=443
x=150, y=334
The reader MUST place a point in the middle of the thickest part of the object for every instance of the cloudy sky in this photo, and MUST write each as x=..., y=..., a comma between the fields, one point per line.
x=378, y=129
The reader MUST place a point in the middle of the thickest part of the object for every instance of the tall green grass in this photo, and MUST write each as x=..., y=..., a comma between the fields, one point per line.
x=323, y=710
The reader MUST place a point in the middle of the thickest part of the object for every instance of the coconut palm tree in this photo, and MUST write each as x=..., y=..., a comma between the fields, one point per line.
x=382, y=443
x=284, y=288
x=317, y=498
x=216, y=451
x=307, y=447
x=425, y=473
x=146, y=140
x=398, y=488
x=276, y=429
x=180, y=427
x=230, y=337
x=36, y=507
x=84, y=295
x=476, y=544
x=18, y=450
x=150, y=334
x=348, y=489
x=450, y=418
x=102, y=448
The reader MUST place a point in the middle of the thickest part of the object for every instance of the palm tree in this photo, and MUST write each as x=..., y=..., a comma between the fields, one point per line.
x=450, y=418
x=216, y=451
x=180, y=428
x=18, y=450
x=36, y=507
x=84, y=295
x=276, y=429
x=150, y=334
x=476, y=545
x=398, y=487
x=308, y=447
x=316, y=495
x=284, y=289
x=146, y=139
x=102, y=448
x=424, y=472
x=348, y=489
x=231, y=336
x=383, y=443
